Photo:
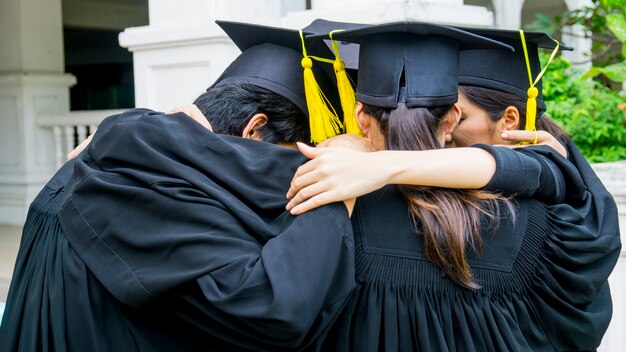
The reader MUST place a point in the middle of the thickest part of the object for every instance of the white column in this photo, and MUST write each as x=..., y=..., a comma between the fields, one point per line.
x=373, y=11
x=183, y=51
x=31, y=82
x=577, y=37
x=508, y=13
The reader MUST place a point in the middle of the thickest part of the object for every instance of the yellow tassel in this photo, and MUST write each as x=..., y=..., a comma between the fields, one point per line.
x=346, y=92
x=533, y=92
x=531, y=109
x=323, y=119
x=347, y=97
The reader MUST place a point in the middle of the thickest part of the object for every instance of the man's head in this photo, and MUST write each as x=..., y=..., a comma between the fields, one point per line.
x=249, y=111
x=261, y=94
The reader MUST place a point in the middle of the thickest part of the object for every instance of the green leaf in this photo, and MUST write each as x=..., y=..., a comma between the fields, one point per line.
x=615, y=72
x=617, y=25
x=594, y=71
x=609, y=4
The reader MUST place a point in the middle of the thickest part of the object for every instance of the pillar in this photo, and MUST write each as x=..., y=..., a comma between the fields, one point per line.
x=31, y=82
x=182, y=51
x=508, y=13
x=372, y=11
x=577, y=37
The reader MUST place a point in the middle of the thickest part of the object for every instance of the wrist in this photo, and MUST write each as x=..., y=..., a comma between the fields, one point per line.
x=392, y=166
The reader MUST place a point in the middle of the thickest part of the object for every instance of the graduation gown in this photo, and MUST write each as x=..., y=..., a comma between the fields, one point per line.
x=543, y=272
x=169, y=237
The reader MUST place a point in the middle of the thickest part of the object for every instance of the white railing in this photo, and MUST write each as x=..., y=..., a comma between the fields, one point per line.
x=71, y=128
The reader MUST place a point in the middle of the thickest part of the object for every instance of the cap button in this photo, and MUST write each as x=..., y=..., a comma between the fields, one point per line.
x=339, y=66
x=307, y=62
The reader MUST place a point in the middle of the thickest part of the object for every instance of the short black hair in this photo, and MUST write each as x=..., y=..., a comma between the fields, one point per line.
x=229, y=108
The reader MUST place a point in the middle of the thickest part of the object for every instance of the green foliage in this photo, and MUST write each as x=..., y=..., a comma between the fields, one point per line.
x=587, y=110
x=617, y=24
x=605, y=21
x=615, y=72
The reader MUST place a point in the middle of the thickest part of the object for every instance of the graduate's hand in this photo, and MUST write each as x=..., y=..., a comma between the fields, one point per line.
x=192, y=111
x=74, y=153
x=348, y=140
x=543, y=138
x=333, y=175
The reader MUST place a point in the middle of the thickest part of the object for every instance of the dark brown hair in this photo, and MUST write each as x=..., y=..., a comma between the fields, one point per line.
x=495, y=102
x=449, y=219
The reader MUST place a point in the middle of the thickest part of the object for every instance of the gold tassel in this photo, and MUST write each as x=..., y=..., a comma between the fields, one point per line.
x=531, y=111
x=533, y=92
x=323, y=120
x=346, y=92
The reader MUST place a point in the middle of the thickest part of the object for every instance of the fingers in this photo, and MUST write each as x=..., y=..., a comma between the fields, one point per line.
x=542, y=137
x=325, y=144
x=314, y=202
x=529, y=136
x=74, y=153
x=297, y=182
x=524, y=136
x=308, y=151
x=305, y=194
x=349, y=141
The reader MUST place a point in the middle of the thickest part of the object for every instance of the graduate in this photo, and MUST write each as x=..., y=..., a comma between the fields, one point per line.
x=502, y=92
x=523, y=279
x=164, y=236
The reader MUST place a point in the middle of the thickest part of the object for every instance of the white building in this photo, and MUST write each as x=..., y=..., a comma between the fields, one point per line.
x=177, y=52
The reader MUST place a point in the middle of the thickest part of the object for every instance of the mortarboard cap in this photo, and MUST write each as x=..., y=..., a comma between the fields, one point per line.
x=420, y=58
x=349, y=52
x=271, y=59
x=505, y=70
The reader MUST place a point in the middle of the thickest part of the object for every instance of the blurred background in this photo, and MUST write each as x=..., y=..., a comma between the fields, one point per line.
x=67, y=64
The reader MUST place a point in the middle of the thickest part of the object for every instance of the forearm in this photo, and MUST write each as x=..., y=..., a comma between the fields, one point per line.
x=469, y=168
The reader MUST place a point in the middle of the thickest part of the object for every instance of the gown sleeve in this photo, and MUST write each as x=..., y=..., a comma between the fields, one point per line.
x=158, y=202
x=581, y=251
x=536, y=172
x=581, y=241
x=570, y=296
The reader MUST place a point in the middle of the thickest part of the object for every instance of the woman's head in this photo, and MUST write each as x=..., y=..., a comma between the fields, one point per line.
x=487, y=112
x=448, y=219
x=405, y=128
x=494, y=84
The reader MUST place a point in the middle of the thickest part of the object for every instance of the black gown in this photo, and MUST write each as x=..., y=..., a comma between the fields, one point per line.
x=543, y=275
x=163, y=236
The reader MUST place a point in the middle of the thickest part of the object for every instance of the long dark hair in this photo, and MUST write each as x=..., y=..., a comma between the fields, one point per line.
x=494, y=102
x=449, y=219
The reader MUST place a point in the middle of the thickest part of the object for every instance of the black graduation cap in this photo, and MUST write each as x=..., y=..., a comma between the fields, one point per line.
x=349, y=52
x=420, y=58
x=271, y=59
x=504, y=70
